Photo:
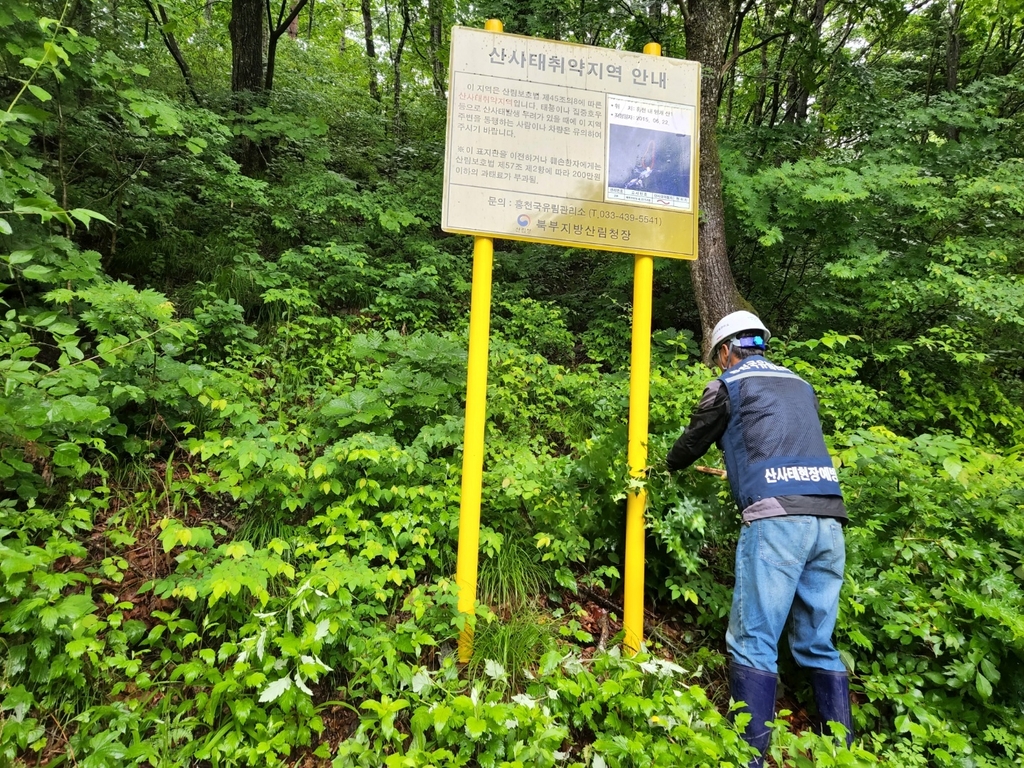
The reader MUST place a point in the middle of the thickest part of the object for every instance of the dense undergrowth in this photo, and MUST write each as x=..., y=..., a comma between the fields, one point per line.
x=231, y=427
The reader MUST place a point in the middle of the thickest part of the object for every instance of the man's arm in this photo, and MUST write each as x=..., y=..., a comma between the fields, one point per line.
x=707, y=425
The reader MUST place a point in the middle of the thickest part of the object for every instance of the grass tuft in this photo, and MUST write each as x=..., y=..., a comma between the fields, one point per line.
x=516, y=643
x=512, y=578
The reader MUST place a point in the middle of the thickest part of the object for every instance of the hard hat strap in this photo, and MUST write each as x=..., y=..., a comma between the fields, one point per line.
x=748, y=342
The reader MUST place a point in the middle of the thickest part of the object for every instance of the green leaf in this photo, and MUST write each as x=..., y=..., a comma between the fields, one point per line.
x=394, y=221
x=475, y=727
x=5, y=228
x=52, y=52
x=85, y=216
x=39, y=93
x=952, y=466
x=983, y=685
x=274, y=691
x=66, y=455
x=200, y=538
x=442, y=713
x=169, y=537
x=235, y=550
x=36, y=272
x=988, y=669
x=40, y=206
x=77, y=409
x=62, y=329
x=15, y=562
x=20, y=701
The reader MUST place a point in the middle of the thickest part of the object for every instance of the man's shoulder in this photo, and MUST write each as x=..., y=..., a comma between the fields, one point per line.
x=714, y=395
x=713, y=386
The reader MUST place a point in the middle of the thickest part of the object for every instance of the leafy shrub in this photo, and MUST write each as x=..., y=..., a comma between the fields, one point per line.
x=536, y=326
x=933, y=611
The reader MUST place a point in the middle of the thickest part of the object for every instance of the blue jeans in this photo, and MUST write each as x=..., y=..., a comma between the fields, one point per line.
x=787, y=567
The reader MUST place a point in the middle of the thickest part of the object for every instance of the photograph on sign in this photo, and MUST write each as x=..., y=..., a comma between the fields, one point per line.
x=650, y=153
x=569, y=144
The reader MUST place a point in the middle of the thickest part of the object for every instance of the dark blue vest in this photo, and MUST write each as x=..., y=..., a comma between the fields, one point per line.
x=773, y=445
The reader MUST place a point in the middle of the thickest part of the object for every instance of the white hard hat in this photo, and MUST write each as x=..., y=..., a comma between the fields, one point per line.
x=735, y=323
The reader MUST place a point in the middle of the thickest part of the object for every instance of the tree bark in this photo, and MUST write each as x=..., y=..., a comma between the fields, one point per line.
x=707, y=24
x=777, y=72
x=953, y=57
x=396, y=116
x=762, y=89
x=246, y=29
x=371, y=53
x=953, y=46
x=343, y=20
x=805, y=74
x=435, y=12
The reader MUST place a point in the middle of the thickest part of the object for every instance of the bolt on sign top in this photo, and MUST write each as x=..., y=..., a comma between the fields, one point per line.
x=571, y=145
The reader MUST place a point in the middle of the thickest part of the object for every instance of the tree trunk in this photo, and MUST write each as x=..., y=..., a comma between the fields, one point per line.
x=246, y=29
x=654, y=13
x=396, y=116
x=762, y=89
x=371, y=53
x=762, y=31
x=343, y=20
x=435, y=11
x=806, y=74
x=777, y=72
x=282, y=25
x=953, y=57
x=707, y=24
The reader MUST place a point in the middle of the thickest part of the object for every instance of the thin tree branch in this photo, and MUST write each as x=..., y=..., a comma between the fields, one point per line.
x=172, y=46
x=642, y=20
x=732, y=62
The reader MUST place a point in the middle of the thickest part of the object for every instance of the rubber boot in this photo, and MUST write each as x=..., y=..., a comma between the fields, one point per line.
x=757, y=688
x=832, y=695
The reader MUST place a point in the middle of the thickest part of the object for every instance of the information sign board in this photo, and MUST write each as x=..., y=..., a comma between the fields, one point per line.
x=571, y=144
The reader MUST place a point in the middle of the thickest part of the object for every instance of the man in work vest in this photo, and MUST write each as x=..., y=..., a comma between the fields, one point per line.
x=791, y=554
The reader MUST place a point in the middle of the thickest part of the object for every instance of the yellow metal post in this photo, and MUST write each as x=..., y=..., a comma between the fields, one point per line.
x=639, y=397
x=472, y=452
x=473, y=435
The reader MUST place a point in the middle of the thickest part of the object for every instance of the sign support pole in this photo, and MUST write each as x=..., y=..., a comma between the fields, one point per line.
x=473, y=435
x=639, y=399
x=473, y=438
